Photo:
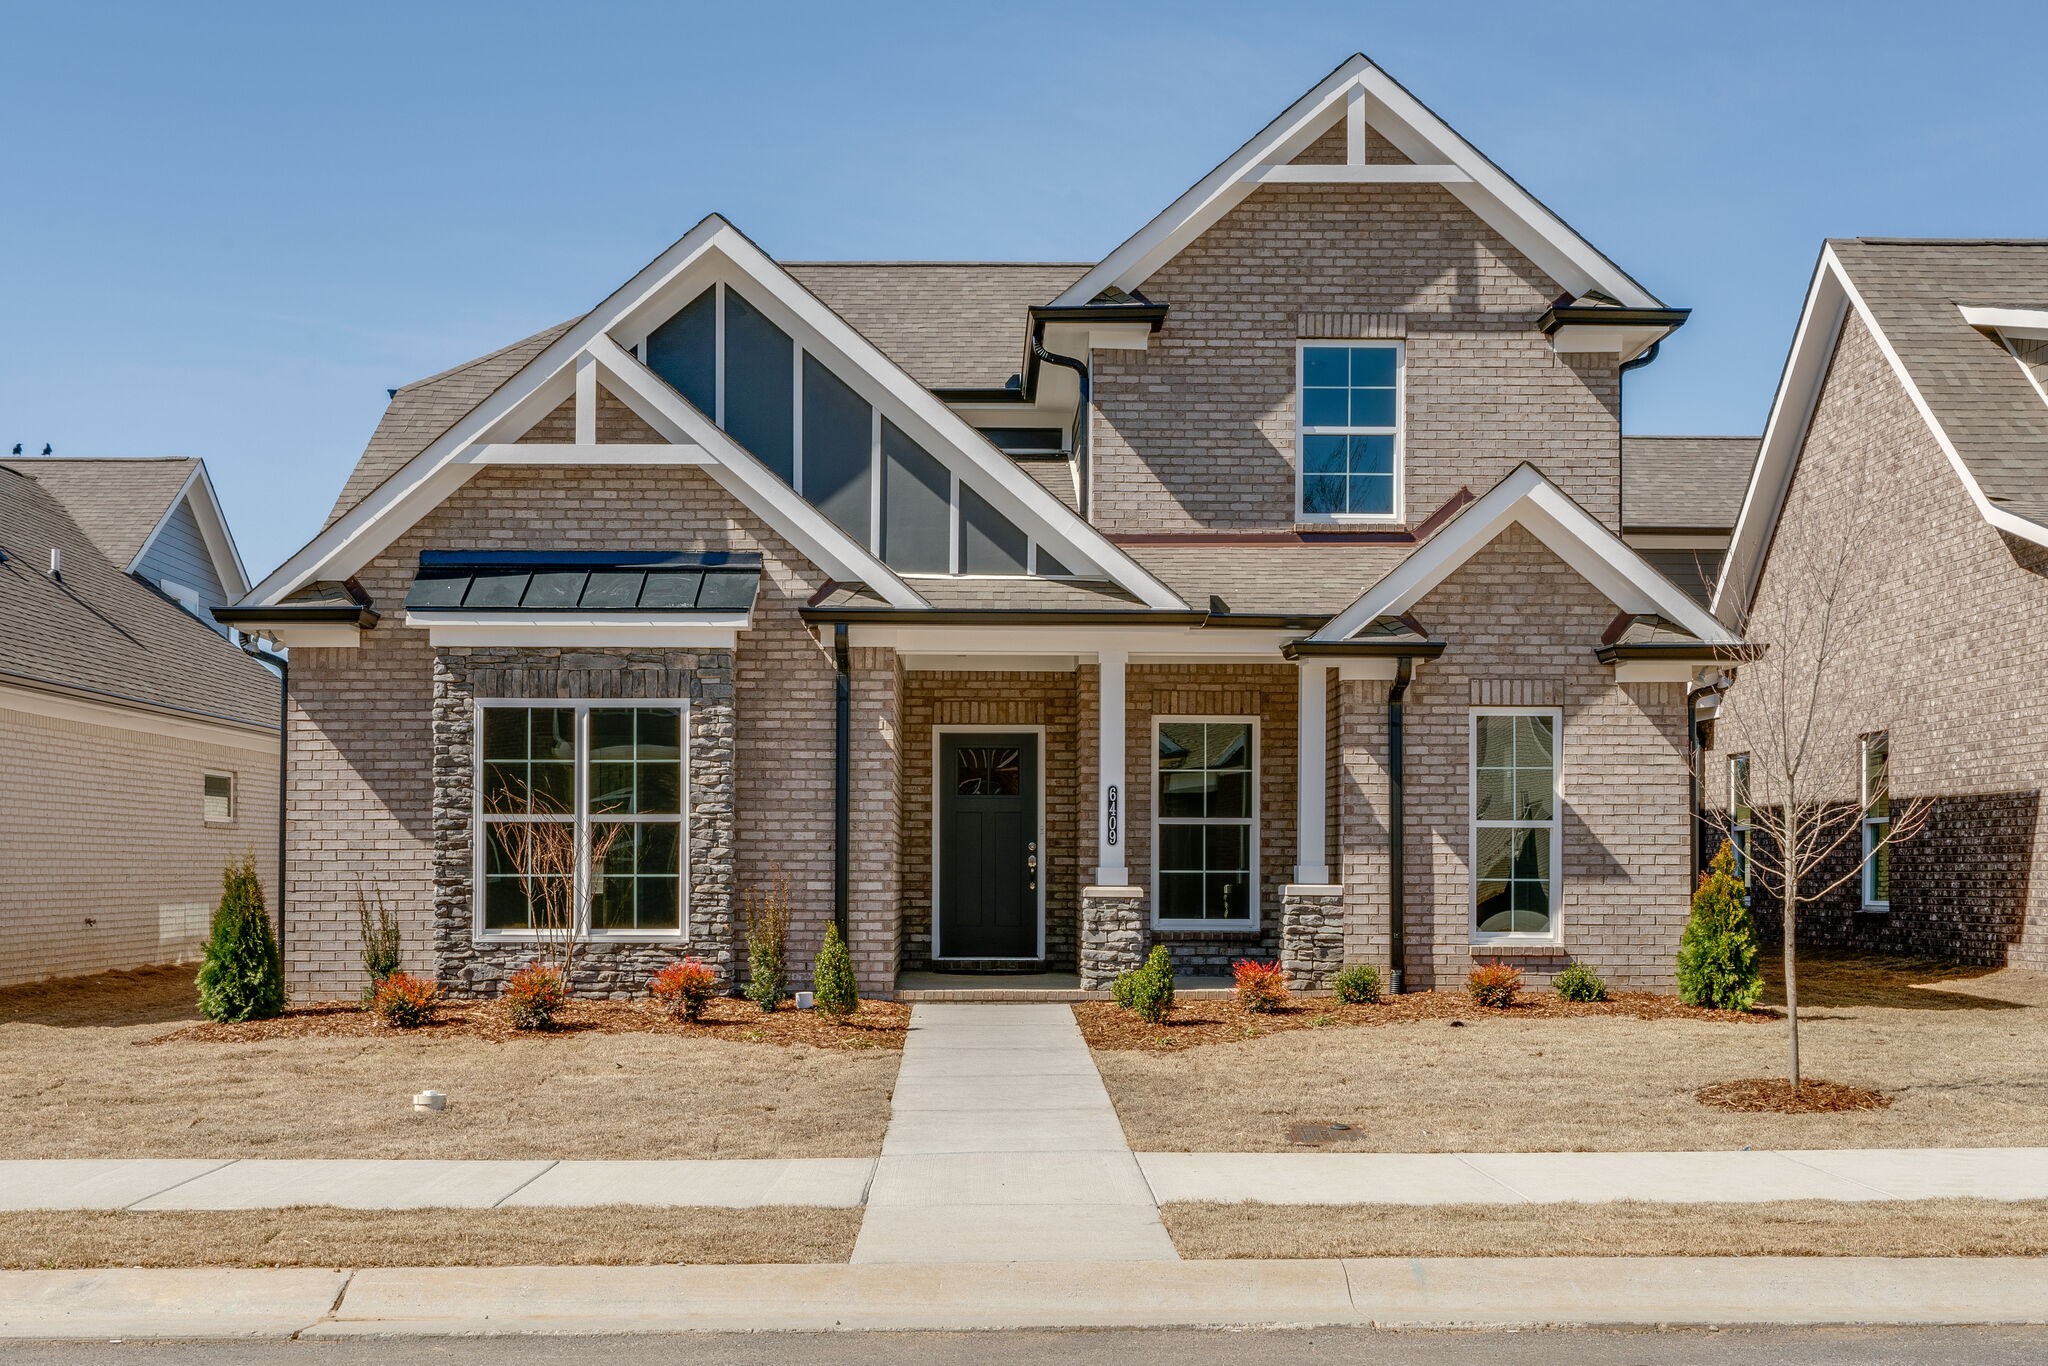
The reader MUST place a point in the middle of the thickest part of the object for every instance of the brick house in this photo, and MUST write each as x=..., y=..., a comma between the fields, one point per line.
x=1913, y=413
x=1259, y=590
x=138, y=745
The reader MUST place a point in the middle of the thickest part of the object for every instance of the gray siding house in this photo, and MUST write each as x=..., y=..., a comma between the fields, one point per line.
x=1263, y=589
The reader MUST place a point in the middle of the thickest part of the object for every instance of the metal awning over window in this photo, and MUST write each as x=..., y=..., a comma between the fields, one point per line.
x=639, y=583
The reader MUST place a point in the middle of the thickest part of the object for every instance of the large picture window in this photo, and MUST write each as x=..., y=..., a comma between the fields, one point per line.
x=1877, y=823
x=1349, y=414
x=1514, y=824
x=1205, y=832
x=580, y=811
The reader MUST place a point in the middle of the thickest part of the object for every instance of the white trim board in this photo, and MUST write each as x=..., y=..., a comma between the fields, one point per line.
x=1602, y=558
x=1415, y=131
x=1829, y=300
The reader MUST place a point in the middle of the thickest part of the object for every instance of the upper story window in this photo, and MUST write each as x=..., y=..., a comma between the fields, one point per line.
x=1349, y=412
x=1877, y=823
x=827, y=441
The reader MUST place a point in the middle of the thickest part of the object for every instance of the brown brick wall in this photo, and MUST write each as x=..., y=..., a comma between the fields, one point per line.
x=360, y=786
x=1946, y=651
x=1523, y=626
x=1197, y=433
x=106, y=860
x=875, y=818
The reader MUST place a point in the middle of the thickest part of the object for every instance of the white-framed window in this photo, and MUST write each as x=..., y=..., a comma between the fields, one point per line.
x=601, y=772
x=1741, y=815
x=1877, y=822
x=1348, y=404
x=1205, y=822
x=1516, y=845
x=217, y=798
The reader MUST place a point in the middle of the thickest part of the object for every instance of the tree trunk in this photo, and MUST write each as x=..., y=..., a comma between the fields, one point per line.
x=1789, y=924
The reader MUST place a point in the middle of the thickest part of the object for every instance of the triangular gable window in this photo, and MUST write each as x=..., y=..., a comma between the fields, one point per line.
x=829, y=444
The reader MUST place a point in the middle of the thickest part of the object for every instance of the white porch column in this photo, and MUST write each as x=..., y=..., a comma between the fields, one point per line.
x=1111, y=818
x=1311, y=777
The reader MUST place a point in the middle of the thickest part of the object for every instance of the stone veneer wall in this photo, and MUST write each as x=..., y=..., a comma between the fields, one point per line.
x=361, y=782
x=1953, y=668
x=1522, y=627
x=471, y=964
x=934, y=699
x=1198, y=431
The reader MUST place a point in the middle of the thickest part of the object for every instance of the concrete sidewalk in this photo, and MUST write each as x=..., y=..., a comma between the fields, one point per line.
x=1484, y=1292
x=1003, y=1146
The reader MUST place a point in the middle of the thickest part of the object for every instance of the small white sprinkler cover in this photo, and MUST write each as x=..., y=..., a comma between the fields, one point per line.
x=805, y=1000
x=430, y=1100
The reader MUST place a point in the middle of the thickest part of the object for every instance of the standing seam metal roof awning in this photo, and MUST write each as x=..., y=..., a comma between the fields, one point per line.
x=584, y=581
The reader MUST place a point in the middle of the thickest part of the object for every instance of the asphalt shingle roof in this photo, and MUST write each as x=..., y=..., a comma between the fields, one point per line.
x=115, y=502
x=100, y=630
x=1978, y=393
x=1694, y=482
x=1287, y=579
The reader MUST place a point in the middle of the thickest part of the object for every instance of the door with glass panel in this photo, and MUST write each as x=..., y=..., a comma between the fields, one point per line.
x=989, y=855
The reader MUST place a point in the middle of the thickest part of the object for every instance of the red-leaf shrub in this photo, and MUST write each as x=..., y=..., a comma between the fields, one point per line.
x=404, y=1001
x=1261, y=987
x=1495, y=984
x=682, y=988
x=533, y=996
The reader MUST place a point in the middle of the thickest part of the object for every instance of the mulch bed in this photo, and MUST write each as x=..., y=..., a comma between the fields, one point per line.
x=878, y=1024
x=1774, y=1095
x=1213, y=1020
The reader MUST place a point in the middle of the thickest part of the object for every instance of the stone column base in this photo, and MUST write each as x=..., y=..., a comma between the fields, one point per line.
x=1112, y=934
x=1311, y=935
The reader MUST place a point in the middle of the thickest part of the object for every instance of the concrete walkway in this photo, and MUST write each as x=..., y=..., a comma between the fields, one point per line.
x=1003, y=1147
x=1479, y=1292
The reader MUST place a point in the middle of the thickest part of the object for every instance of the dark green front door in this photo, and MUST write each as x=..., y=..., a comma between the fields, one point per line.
x=989, y=857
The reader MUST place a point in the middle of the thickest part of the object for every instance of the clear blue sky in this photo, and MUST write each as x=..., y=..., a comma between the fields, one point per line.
x=228, y=229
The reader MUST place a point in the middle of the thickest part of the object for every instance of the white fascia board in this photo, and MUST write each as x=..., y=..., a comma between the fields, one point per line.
x=2027, y=323
x=1394, y=173
x=1654, y=671
x=607, y=453
x=881, y=381
x=746, y=478
x=1141, y=642
x=1573, y=534
x=580, y=635
x=1828, y=302
x=425, y=480
x=1413, y=129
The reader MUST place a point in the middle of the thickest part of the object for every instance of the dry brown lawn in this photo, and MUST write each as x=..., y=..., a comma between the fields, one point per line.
x=82, y=1076
x=1796, y=1228
x=607, y=1235
x=1961, y=1053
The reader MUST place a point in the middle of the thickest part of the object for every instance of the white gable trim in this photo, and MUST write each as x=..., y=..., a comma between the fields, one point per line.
x=1442, y=156
x=1602, y=558
x=1828, y=301
x=197, y=490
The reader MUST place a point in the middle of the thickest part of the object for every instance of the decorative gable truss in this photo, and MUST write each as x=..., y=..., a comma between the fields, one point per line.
x=1578, y=538
x=1360, y=96
x=984, y=495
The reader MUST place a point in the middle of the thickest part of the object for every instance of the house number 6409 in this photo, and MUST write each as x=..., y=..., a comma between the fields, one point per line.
x=1112, y=821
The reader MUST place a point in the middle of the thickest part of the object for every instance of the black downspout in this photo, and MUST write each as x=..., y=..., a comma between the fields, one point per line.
x=284, y=693
x=1397, y=821
x=842, y=790
x=1080, y=414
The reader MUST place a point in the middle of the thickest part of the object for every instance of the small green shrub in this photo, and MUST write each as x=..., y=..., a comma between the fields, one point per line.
x=1495, y=985
x=833, y=989
x=1357, y=985
x=1719, y=963
x=534, y=996
x=404, y=1001
x=1147, y=990
x=1261, y=987
x=767, y=915
x=380, y=936
x=683, y=989
x=1579, y=983
x=241, y=978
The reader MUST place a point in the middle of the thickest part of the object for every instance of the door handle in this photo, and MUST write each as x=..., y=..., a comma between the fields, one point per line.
x=1032, y=863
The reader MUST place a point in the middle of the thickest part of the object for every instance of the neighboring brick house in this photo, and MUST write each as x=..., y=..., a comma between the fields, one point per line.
x=1911, y=427
x=1025, y=615
x=138, y=746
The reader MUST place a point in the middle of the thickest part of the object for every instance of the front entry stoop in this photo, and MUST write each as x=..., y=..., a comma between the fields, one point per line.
x=1003, y=1147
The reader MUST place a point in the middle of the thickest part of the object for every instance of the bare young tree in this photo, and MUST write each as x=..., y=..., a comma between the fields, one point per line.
x=1811, y=788
x=544, y=853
